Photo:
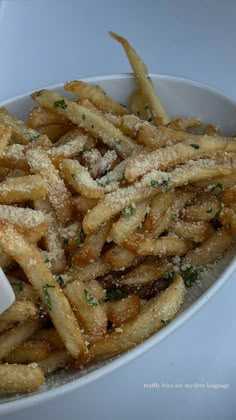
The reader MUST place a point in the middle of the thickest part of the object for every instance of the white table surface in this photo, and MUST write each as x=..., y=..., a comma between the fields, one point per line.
x=44, y=42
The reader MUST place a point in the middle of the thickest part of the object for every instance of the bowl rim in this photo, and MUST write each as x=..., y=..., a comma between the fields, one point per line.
x=123, y=359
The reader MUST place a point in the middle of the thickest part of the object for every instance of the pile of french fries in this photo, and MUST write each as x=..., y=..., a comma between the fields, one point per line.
x=107, y=216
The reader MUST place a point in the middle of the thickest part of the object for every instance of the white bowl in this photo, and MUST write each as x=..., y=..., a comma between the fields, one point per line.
x=181, y=98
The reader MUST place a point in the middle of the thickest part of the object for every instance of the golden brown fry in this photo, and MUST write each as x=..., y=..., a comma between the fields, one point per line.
x=209, y=250
x=5, y=137
x=49, y=336
x=153, y=316
x=14, y=157
x=14, y=190
x=87, y=309
x=55, y=361
x=54, y=131
x=83, y=204
x=80, y=179
x=21, y=133
x=168, y=246
x=39, y=117
x=48, y=289
x=95, y=124
x=58, y=194
x=20, y=378
x=123, y=310
x=90, y=272
x=196, y=232
x=28, y=352
x=145, y=273
x=92, y=246
x=145, y=84
x=19, y=311
x=119, y=258
x=96, y=95
x=139, y=107
x=183, y=124
x=17, y=335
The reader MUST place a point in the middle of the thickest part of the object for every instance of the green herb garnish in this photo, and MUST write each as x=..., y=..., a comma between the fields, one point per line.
x=60, y=281
x=34, y=137
x=60, y=104
x=150, y=119
x=210, y=210
x=165, y=321
x=190, y=276
x=47, y=295
x=218, y=189
x=146, y=106
x=218, y=213
x=83, y=117
x=169, y=276
x=165, y=184
x=153, y=183
x=129, y=211
x=91, y=299
x=66, y=241
x=113, y=294
x=195, y=146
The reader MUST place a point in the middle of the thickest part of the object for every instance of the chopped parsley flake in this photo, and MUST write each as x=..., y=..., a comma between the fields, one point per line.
x=165, y=184
x=60, y=281
x=34, y=137
x=146, y=106
x=190, y=276
x=150, y=119
x=129, y=211
x=91, y=299
x=92, y=126
x=218, y=213
x=47, y=295
x=169, y=276
x=165, y=321
x=209, y=210
x=195, y=146
x=113, y=294
x=153, y=183
x=46, y=260
x=83, y=117
x=66, y=241
x=60, y=104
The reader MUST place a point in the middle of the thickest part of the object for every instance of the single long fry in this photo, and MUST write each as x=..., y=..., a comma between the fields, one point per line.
x=14, y=190
x=28, y=352
x=153, y=316
x=119, y=258
x=173, y=155
x=19, y=311
x=91, y=248
x=131, y=218
x=209, y=250
x=96, y=95
x=21, y=133
x=169, y=246
x=56, y=360
x=58, y=194
x=123, y=310
x=87, y=308
x=80, y=179
x=89, y=272
x=145, y=273
x=20, y=378
x=92, y=122
x=29, y=258
x=148, y=186
x=196, y=232
x=18, y=335
x=145, y=84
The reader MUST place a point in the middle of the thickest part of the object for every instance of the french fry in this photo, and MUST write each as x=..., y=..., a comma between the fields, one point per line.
x=145, y=273
x=20, y=378
x=5, y=137
x=83, y=204
x=148, y=186
x=70, y=149
x=211, y=130
x=123, y=310
x=160, y=207
x=196, y=232
x=119, y=258
x=28, y=352
x=209, y=250
x=19, y=311
x=153, y=316
x=130, y=219
x=30, y=222
x=49, y=336
x=145, y=84
x=55, y=361
x=205, y=209
x=14, y=157
x=79, y=178
x=39, y=117
x=17, y=335
x=92, y=246
x=139, y=107
x=47, y=288
x=21, y=133
x=229, y=195
x=90, y=272
x=58, y=194
x=95, y=124
x=168, y=246
x=183, y=124
x=15, y=190
x=173, y=155
x=97, y=96
x=98, y=164
x=54, y=131
x=87, y=309
x=23, y=290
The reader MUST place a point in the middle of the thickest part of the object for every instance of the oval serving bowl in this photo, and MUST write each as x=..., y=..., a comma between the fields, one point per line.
x=181, y=98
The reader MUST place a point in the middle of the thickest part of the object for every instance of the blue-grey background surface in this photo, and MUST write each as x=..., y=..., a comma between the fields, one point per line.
x=47, y=41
